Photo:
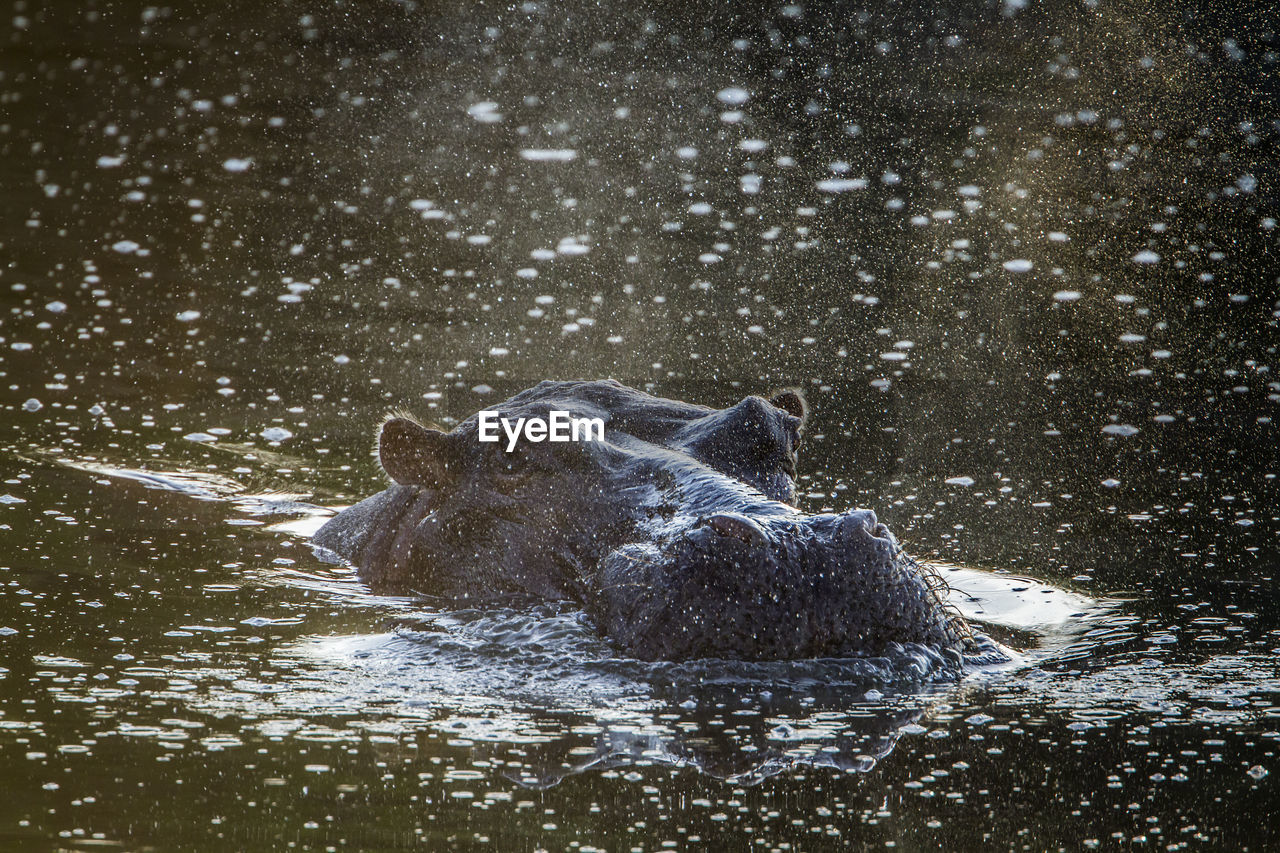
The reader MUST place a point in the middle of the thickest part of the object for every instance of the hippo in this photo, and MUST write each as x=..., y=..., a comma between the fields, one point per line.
x=673, y=526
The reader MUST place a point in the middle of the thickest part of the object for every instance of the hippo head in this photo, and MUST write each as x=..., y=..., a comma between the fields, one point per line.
x=777, y=582
x=673, y=527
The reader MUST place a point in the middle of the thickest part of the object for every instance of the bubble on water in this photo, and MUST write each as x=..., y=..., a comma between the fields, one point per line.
x=709, y=258
x=200, y=437
x=342, y=359
x=237, y=164
x=1146, y=256
x=1059, y=236
x=527, y=272
x=1161, y=353
x=1067, y=296
x=1247, y=183
x=110, y=161
x=1018, y=265
x=32, y=405
x=970, y=191
x=187, y=316
x=733, y=96
x=497, y=351
x=688, y=152
x=750, y=184
x=1120, y=429
x=481, y=389
x=549, y=155
x=1258, y=772
x=840, y=185
x=959, y=481
x=276, y=434
x=125, y=247
x=1130, y=338
x=421, y=204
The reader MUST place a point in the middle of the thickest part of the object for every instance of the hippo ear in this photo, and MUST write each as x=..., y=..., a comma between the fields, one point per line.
x=415, y=455
x=791, y=401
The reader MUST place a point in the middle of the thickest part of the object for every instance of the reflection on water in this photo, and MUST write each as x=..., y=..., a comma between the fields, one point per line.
x=1022, y=256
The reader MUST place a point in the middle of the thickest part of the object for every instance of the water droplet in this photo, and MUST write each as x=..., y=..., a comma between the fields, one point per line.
x=485, y=112
x=840, y=185
x=549, y=155
x=733, y=96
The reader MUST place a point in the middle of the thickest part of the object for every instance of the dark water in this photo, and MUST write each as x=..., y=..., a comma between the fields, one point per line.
x=1023, y=257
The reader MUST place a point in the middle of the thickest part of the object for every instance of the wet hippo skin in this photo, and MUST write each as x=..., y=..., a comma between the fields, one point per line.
x=676, y=533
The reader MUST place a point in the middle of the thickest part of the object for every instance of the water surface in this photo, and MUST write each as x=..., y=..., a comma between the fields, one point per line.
x=1021, y=256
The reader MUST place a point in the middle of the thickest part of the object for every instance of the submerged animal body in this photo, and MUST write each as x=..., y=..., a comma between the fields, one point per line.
x=675, y=531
